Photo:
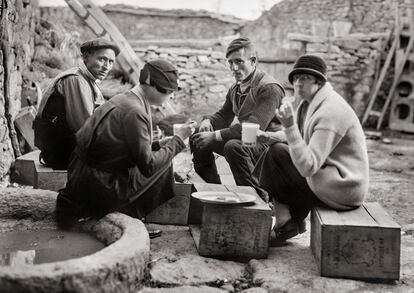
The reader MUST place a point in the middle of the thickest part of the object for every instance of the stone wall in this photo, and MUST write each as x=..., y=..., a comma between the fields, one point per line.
x=349, y=34
x=149, y=24
x=204, y=78
x=324, y=18
x=351, y=61
x=17, y=26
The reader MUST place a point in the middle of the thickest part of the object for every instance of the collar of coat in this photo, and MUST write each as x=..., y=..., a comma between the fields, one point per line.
x=323, y=93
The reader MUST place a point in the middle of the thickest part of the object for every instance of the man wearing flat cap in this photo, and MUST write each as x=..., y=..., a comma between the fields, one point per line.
x=69, y=100
x=116, y=165
x=252, y=98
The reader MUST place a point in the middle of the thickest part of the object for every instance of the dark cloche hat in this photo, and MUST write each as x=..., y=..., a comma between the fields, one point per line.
x=237, y=44
x=309, y=64
x=162, y=73
x=99, y=43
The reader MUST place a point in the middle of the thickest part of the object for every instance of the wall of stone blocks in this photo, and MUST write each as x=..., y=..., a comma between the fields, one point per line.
x=351, y=61
x=150, y=24
x=16, y=50
x=324, y=18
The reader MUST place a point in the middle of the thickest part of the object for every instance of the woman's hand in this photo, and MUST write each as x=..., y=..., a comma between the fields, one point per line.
x=286, y=114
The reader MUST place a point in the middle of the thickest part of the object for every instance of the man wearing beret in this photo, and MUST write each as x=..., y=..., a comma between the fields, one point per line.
x=69, y=100
x=116, y=165
x=254, y=97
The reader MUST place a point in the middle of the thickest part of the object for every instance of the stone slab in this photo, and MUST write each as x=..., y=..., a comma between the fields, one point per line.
x=24, y=168
x=183, y=289
x=48, y=178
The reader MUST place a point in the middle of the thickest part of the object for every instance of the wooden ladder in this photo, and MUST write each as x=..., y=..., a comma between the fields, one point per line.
x=102, y=26
x=401, y=57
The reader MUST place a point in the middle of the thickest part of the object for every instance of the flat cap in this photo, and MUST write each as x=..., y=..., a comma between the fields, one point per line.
x=237, y=44
x=99, y=43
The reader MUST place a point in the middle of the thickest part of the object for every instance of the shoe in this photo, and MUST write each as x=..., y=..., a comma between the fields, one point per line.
x=154, y=233
x=289, y=230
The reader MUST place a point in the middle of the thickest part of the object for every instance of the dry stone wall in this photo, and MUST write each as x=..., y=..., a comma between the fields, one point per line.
x=149, y=24
x=204, y=78
x=16, y=32
x=349, y=34
x=351, y=61
x=324, y=18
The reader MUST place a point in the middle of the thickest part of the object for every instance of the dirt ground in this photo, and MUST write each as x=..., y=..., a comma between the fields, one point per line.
x=177, y=267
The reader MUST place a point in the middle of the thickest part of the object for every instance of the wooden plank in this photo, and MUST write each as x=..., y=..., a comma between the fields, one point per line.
x=384, y=70
x=328, y=216
x=195, y=231
x=378, y=213
x=49, y=179
x=356, y=217
x=397, y=74
x=316, y=236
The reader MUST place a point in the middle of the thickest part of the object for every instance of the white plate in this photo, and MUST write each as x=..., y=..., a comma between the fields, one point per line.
x=223, y=197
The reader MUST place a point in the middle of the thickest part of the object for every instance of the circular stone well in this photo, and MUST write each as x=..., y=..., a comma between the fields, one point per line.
x=119, y=267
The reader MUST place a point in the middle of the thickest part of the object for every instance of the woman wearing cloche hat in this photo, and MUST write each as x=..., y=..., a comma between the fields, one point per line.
x=116, y=165
x=325, y=160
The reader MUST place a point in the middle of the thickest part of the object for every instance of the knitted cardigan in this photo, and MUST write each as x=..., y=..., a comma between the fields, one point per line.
x=332, y=155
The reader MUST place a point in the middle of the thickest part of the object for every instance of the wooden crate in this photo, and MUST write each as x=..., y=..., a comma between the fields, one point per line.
x=360, y=244
x=48, y=178
x=232, y=230
x=175, y=210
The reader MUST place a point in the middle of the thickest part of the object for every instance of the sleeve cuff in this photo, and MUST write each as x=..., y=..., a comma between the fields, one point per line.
x=217, y=133
x=181, y=143
x=293, y=135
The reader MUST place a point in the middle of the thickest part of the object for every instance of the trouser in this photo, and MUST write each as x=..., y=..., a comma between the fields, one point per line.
x=87, y=195
x=240, y=158
x=280, y=178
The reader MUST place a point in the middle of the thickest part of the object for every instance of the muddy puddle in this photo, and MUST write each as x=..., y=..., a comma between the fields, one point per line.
x=43, y=246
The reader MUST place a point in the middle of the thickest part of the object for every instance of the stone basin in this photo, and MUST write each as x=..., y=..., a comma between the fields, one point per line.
x=118, y=267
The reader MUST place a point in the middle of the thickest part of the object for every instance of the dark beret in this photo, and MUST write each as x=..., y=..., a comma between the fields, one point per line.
x=162, y=73
x=237, y=44
x=99, y=43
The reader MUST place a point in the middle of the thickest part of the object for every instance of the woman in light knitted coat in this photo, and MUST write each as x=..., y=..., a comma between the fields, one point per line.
x=325, y=159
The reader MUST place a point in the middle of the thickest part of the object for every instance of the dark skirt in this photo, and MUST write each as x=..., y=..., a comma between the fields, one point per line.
x=279, y=177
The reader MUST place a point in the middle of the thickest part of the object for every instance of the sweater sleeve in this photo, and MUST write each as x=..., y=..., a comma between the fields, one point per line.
x=309, y=158
x=268, y=99
x=138, y=141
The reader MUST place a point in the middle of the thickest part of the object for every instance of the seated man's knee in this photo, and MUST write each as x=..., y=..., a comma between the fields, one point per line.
x=278, y=151
x=231, y=147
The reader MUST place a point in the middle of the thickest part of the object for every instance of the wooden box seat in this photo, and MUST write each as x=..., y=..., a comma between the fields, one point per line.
x=360, y=244
x=230, y=230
